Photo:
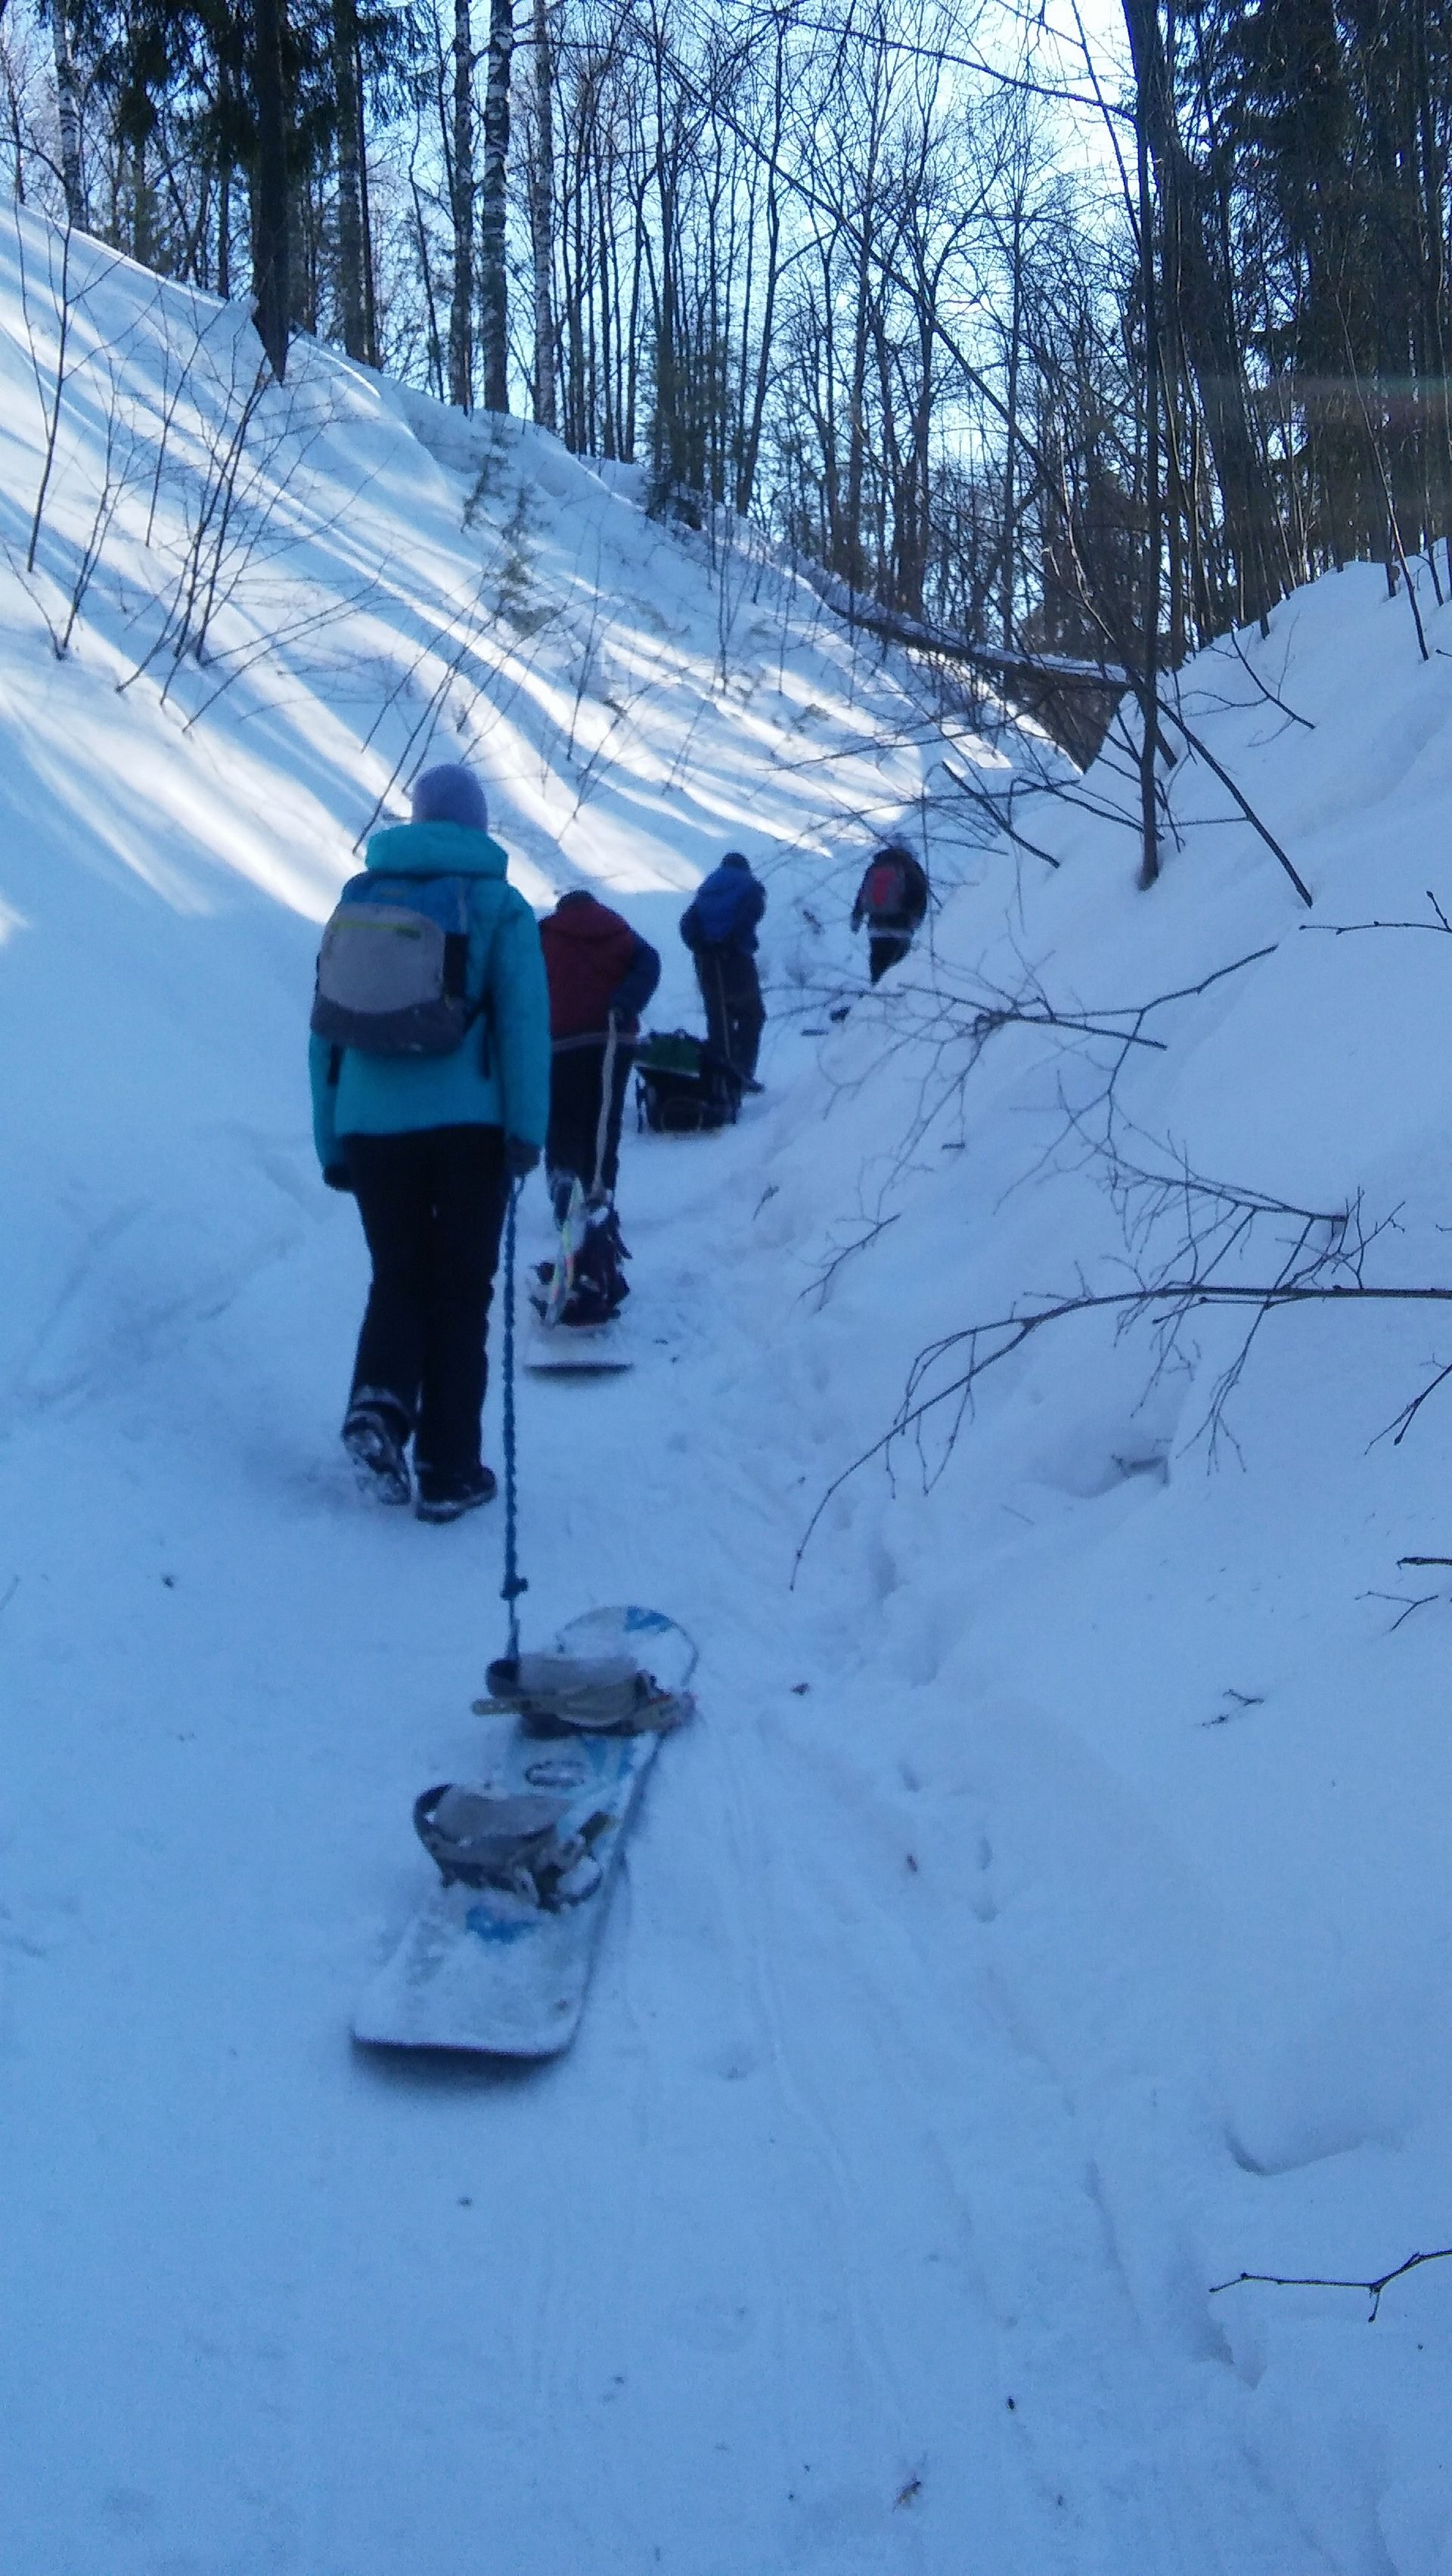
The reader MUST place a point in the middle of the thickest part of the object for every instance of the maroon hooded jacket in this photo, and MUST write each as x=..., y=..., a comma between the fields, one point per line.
x=595, y=963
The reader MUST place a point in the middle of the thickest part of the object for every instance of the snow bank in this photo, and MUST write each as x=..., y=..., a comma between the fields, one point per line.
x=1189, y=1765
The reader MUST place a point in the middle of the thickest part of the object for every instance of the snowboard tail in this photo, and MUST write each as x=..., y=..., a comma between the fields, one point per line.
x=576, y=1350
x=483, y=1969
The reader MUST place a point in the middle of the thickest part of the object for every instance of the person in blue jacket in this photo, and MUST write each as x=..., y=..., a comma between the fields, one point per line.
x=719, y=928
x=430, y=1148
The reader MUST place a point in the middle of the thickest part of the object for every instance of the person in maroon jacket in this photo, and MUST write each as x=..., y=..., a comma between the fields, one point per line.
x=601, y=974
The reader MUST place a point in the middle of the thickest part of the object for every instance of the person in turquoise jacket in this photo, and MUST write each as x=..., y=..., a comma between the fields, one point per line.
x=430, y=1147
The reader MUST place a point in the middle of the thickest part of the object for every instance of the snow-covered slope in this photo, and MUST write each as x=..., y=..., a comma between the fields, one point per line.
x=1166, y=1736
x=1048, y=1918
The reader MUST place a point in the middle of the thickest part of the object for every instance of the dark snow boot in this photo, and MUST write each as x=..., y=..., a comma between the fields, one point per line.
x=375, y=1436
x=447, y=1498
x=593, y=1287
x=599, y=1287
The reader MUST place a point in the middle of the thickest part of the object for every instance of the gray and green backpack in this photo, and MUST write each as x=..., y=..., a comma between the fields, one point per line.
x=393, y=967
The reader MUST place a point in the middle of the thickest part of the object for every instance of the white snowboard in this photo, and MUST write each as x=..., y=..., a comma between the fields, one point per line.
x=483, y=1970
x=583, y=1350
x=576, y=1349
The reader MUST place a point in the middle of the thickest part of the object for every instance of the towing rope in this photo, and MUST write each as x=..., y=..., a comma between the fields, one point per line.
x=514, y=1581
x=607, y=1085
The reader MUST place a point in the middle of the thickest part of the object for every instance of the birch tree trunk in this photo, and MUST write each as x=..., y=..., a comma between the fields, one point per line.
x=461, y=309
x=69, y=105
x=493, y=272
x=542, y=218
x=751, y=442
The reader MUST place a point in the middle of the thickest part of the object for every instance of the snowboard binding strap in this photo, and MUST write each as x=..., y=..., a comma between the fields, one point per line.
x=513, y=1843
x=570, y=1695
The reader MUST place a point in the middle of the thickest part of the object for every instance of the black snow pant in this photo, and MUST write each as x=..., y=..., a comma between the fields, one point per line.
x=735, y=1014
x=886, y=948
x=577, y=1074
x=432, y=1204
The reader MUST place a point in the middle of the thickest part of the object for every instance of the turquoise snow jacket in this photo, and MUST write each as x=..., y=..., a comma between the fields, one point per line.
x=500, y=1076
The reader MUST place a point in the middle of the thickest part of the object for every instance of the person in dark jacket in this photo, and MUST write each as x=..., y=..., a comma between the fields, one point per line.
x=601, y=974
x=893, y=901
x=430, y=1147
x=719, y=928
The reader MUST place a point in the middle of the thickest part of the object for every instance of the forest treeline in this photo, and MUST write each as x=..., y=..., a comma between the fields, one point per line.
x=1091, y=342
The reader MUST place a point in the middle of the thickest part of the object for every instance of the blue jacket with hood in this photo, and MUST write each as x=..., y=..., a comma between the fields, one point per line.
x=500, y=1076
x=727, y=906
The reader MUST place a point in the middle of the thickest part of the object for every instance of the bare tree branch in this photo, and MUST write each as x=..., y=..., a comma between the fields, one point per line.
x=1373, y=2289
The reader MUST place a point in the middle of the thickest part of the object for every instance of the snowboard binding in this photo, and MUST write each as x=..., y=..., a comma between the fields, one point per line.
x=555, y=1694
x=510, y=1843
x=586, y=1287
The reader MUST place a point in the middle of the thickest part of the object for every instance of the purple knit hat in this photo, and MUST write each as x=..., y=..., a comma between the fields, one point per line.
x=450, y=793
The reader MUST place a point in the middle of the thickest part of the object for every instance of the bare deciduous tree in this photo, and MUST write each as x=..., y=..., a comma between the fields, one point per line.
x=493, y=259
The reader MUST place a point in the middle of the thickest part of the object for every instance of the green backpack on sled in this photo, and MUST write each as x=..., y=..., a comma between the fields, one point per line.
x=681, y=1088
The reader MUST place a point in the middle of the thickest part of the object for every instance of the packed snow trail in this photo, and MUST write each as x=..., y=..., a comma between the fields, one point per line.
x=748, y=2281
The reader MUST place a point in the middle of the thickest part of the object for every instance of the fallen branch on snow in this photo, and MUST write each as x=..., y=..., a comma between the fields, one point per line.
x=1373, y=2289
x=1342, y=929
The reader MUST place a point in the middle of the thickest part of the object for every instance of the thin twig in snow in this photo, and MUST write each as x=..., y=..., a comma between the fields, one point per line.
x=1373, y=2289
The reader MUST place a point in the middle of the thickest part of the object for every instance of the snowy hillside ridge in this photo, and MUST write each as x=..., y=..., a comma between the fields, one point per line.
x=1048, y=1918
x=295, y=558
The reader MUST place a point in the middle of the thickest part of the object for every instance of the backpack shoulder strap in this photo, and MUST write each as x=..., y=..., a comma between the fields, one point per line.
x=482, y=1006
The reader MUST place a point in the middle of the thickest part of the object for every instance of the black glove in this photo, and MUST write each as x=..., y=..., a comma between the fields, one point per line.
x=519, y=1158
x=337, y=1176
